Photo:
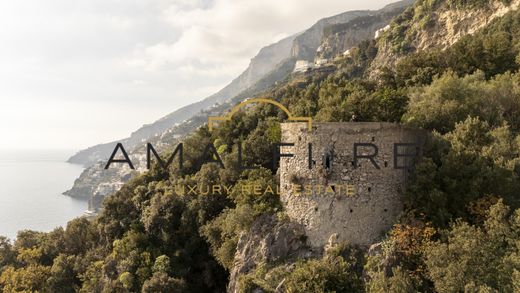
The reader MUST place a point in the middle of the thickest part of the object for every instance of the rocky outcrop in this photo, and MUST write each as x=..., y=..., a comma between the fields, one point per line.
x=338, y=38
x=445, y=27
x=269, y=240
x=425, y=26
x=305, y=44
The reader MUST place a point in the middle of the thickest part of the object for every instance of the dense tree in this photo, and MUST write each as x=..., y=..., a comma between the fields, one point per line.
x=456, y=233
x=476, y=259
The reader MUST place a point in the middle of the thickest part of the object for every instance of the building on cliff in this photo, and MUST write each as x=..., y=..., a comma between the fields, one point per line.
x=349, y=183
x=302, y=66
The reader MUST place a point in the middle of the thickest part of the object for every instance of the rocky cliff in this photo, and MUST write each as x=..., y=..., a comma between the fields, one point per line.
x=270, y=240
x=434, y=24
x=339, y=37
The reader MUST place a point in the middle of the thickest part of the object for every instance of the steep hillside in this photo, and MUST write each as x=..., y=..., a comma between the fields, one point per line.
x=299, y=46
x=93, y=181
x=458, y=232
x=435, y=24
x=340, y=37
x=305, y=45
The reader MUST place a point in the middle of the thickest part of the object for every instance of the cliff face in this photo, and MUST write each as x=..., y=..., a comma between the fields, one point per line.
x=352, y=28
x=269, y=240
x=305, y=45
x=342, y=37
x=339, y=37
x=434, y=24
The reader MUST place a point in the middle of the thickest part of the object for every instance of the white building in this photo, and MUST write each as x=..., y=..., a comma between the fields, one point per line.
x=108, y=188
x=381, y=30
x=302, y=66
x=320, y=62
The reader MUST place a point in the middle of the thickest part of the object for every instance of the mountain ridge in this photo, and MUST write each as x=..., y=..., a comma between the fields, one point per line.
x=302, y=45
x=95, y=182
x=247, y=78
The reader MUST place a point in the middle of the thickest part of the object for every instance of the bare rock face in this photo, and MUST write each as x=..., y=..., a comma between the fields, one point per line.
x=337, y=38
x=269, y=240
x=422, y=27
x=385, y=256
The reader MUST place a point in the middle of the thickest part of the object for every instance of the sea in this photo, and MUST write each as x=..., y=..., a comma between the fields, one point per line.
x=31, y=187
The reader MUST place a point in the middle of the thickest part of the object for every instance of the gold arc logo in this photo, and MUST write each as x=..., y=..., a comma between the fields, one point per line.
x=236, y=108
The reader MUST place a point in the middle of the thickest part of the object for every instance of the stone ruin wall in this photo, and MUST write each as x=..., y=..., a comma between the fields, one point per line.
x=378, y=193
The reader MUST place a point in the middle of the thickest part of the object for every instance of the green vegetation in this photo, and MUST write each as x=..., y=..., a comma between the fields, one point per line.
x=460, y=232
x=461, y=258
x=339, y=270
x=401, y=38
x=492, y=50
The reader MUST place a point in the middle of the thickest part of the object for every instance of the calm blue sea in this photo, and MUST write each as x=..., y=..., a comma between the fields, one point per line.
x=31, y=183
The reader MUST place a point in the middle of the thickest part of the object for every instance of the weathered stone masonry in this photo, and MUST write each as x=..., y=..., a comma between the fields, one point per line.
x=358, y=219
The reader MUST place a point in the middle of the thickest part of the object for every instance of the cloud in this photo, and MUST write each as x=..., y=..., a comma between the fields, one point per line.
x=62, y=55
x=219, y=37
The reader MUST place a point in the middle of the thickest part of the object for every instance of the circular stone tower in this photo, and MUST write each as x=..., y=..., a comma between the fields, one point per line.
x=346, y=180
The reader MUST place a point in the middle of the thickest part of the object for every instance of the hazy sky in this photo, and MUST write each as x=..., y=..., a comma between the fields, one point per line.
x=74, y=73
